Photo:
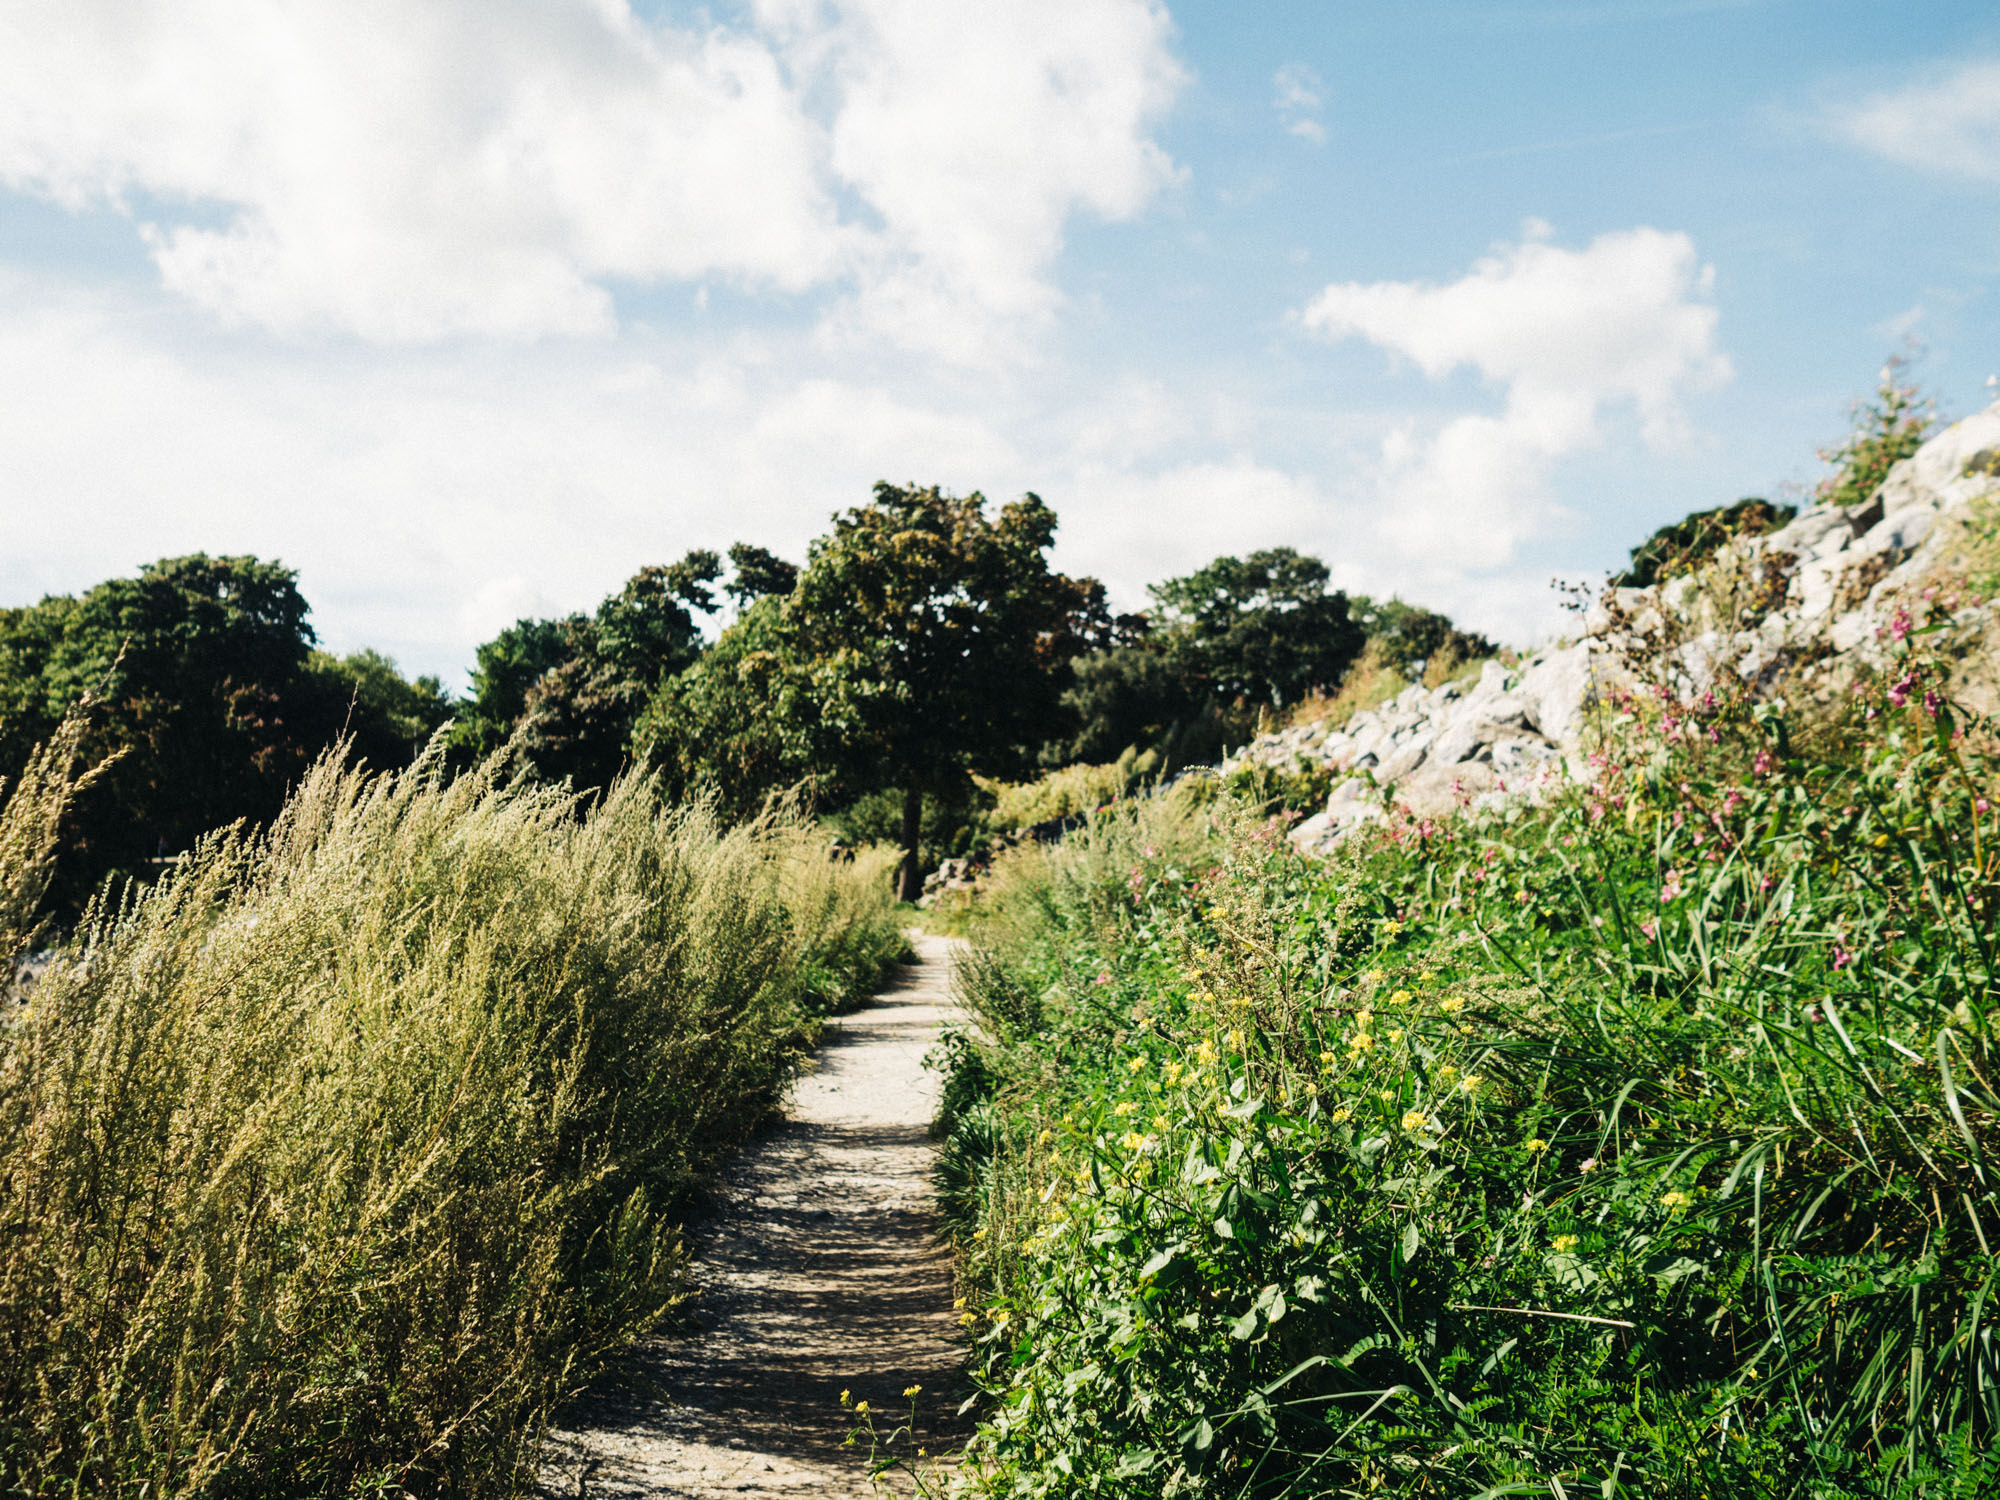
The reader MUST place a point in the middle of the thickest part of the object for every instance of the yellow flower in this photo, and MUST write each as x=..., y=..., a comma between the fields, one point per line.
x=1465, y=1031
x=1415, y=1119
x=1045, y=1137
x=1471, y=1082
x=1136, y=1065
x=1387, y=1096
x=846, y=1398
x=966, y=1320
x=1452, y=1006
x=1401, y=997
x=1395, y=1033
x=861, y=1408
x=956, y=1302
x=1327, y=1060
x=1392, y=926
x=1675, y=1199
x=1364, y=1019
x=910, y=1390
x=1174, y=1071
x=1133, y=1141
x=1236, y=1040
x=1240, y=1002
x=1206, y=1054
x=1537, y=1146
x=1361, y=1041
x=1564, y=1242
x=1125, y=1107
x=1160, y=1123
x=1341, y=1116
x=1446, y=1075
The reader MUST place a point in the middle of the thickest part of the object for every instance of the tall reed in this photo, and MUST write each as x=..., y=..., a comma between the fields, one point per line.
x=333, y=1160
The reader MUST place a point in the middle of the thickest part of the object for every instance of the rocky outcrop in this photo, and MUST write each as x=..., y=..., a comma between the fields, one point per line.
x=1799, y=606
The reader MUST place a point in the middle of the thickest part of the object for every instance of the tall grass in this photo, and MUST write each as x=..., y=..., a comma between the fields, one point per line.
x=1637, y=1143
x=331, y=1161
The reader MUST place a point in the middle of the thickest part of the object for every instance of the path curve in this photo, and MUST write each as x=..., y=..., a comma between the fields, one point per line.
x=821, y=1273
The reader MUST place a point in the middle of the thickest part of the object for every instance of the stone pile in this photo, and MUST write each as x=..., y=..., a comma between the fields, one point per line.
x=1810, y=600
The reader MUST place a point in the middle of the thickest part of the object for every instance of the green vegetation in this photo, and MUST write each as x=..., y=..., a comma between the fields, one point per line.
x=332, y=1160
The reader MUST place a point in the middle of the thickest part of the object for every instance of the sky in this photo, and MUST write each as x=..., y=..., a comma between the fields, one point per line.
x=468, y=310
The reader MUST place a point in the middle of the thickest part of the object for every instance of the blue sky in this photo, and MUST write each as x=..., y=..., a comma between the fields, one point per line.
x=466, y=311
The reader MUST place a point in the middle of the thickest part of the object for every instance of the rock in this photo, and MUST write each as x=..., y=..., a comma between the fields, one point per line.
x=1837, y=576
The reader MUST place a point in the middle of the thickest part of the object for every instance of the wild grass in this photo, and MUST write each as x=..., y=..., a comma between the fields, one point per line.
x=1637, y=1143
x=334, y=1159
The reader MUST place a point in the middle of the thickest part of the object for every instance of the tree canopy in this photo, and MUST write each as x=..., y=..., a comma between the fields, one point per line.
x=1262, y=629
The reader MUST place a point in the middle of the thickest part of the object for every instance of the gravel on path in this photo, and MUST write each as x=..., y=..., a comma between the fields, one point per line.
x=822, y=1273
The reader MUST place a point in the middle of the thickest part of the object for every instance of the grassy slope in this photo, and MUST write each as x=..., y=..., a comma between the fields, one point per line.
x=1635, y=1144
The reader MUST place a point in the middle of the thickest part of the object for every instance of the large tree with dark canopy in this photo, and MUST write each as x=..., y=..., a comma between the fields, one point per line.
x=936, y=642
x=209, y=698
x=1261, y=630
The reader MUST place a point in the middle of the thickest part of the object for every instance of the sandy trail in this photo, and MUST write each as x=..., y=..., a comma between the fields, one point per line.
x=821, y=1274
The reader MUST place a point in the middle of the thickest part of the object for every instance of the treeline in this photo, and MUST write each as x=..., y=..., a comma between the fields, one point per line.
x=924, y=641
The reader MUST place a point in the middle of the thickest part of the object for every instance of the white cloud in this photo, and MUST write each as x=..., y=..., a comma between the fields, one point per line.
x=1299, y=98
x=1566, y=334
x=488, y=166
x=1948, y=123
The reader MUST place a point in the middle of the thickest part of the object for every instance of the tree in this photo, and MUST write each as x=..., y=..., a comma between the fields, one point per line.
x=1410, y=638
x=927, y=642
x=1259, y=630
x=569, y=693
x=212, y=700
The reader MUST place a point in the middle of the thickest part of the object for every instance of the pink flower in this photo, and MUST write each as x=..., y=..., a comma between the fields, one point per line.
x=1670, y=887
x=1103, y=977
x=1841, y=958
x=1651, y=929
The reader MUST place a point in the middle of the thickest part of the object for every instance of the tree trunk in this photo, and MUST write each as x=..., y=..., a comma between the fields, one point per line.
x=910, y=878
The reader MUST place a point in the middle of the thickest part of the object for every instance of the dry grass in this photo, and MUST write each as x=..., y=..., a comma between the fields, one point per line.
x=333, y=1160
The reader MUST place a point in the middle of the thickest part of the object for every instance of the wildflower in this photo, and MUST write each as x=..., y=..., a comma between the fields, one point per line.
x=1392, y=926
x=1363, y=1019
x=1401, y=997
x=1537, y=1146
x=1206, y=1054
x=1236, y=1038
x=910, y=1390
x=1446, y=1075
x=1361, y=1041
x=1395, y=1033
x=1564, y=1242
x=1651, y=929
x=1174, y=1072
x=1465, y=1030
x=1160, y=1123
x=1589, y=1164
x=1841, y=958
x=1327, y=1060
x=1125, y=1107
x=1675, y=1199
x=1670, y=887
x=846, y=1398
x=861, y=1408
x=1103, y=977
x=1452, y=1006
x=1341, y=1116
x=1387, y=1096
x=1045, y=1137
x=1136, y=1065
x=1133, y=1141
x=1415, y=1119
x=1471, y=1082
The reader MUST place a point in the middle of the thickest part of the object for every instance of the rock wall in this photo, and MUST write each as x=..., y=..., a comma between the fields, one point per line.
x=1801, y=605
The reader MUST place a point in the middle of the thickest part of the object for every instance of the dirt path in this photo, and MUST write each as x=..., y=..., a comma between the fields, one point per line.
x=821, y=1274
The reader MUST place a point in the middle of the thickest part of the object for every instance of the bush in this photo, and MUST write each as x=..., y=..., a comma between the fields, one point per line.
x=1631, y=1144
x=333, y=1160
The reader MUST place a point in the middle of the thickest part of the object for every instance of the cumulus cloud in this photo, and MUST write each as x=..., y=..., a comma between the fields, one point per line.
x=492, y=166
x=1625, y=323
x=1948, y=124
x=1298, y=99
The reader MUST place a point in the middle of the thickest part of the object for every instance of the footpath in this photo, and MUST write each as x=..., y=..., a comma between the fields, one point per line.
x=821, y=1274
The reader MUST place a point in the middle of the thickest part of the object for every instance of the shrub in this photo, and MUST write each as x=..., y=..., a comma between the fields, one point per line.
x=331, y=1161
